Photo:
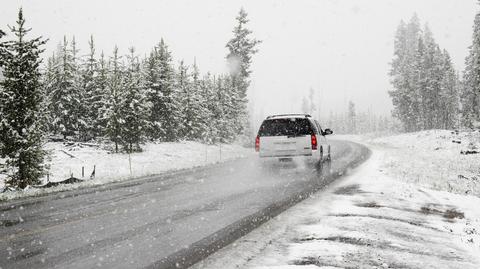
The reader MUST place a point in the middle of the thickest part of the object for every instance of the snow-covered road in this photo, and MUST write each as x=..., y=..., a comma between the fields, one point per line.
x=367, y=220
x=157, y=221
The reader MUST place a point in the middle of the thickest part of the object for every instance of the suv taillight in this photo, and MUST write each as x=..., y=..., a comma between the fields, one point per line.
x=257, y=143
x=314, y=142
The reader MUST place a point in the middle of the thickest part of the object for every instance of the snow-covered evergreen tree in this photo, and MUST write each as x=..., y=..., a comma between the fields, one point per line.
x=403, y=95
x=186, y=102
x=101, y=95
x=168, y=104
x=207, y=89
x=49, y=82
x=113, y=110
x=241, y=48
x=134, y=105
x=470, y=97
x=192, y=103
x=311, y=99
x=20, y=98
x=81, y=108
x=3, y=51
x=420, y=76
x=352, y=118
x=427, y=85
x=448, y=111
x=200, y=119
x=226, y=112
x=151, y=76
x=64, y=98
x=94, y=90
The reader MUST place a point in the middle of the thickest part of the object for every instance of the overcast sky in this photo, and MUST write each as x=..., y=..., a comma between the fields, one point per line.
x=342, y=49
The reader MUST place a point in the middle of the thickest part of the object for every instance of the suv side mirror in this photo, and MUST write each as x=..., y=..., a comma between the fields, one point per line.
x=327, y=132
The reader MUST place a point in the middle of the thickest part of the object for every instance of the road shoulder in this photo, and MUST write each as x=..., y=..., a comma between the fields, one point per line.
x=368, y=219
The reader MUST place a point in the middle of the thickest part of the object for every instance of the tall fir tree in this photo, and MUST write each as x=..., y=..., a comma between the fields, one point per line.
x=168, y=105
x=151, y=76
x=3, y=51
x=134, y=106
x=421, y=77
x=81, y=108
x=449, y=95
x=207, y=89
x=64, y=98
x=94, y=88
x=192, y=104
x=398, y=73
x=352, y=118
x=225, y=113
x=101, y=83
x=470, y=97
x=113, y=110
x=408, y=54
x=20, y=99
x=241, y=49
x=200, y=119
x=49, y=83
x=186, y=102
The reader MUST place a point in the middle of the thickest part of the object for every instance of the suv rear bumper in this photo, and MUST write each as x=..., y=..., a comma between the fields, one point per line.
x=307, y=158
x=283, y=156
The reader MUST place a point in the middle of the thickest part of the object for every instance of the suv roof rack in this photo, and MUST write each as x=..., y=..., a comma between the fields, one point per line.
x=287, y=115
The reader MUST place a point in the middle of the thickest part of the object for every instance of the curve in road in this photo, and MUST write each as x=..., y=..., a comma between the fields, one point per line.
x=168, y=221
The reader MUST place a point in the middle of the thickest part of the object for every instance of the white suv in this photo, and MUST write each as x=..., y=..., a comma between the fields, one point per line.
x=293, y=136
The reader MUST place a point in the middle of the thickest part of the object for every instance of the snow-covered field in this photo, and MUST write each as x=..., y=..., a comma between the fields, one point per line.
x=406, y=207
x=68, y=160
x=434, y=159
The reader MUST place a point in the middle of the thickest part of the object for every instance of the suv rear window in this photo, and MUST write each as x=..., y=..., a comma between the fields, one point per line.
x=286, y=127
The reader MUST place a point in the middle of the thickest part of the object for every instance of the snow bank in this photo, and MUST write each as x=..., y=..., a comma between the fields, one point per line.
x=367, y=220
x=434, y=159
x=68, y=160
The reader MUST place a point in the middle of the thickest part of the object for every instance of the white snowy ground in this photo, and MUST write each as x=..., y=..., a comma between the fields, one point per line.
x=155, y=159
x=404, y=208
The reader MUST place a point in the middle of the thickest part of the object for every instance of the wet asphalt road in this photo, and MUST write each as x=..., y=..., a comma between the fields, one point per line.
x=153, y=222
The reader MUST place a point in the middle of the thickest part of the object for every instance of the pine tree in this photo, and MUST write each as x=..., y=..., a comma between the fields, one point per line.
x=3, y=51
x=470, y=98
x=405, y=47
x=168, y=104
x=64, y=98
x=184, y=89
x=421, y=79
x=113, y=111
x=207, y=90
x=192, y=103
x=241, y=49
x=49, y=83
x=449, y=95
x=93, y=83
x=134, y=106
x=20, y=97
x=433, y=72
x=418, y=83
x=101, y=96
x=151, y=76
x=352, y=118
x=201, y=117
x=81, y=108
x=224, y=112
x=311, y=99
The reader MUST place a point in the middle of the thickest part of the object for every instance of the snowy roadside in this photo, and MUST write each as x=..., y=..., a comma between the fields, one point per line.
x=434, y=159
x=377, y=217
x=68, y=160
